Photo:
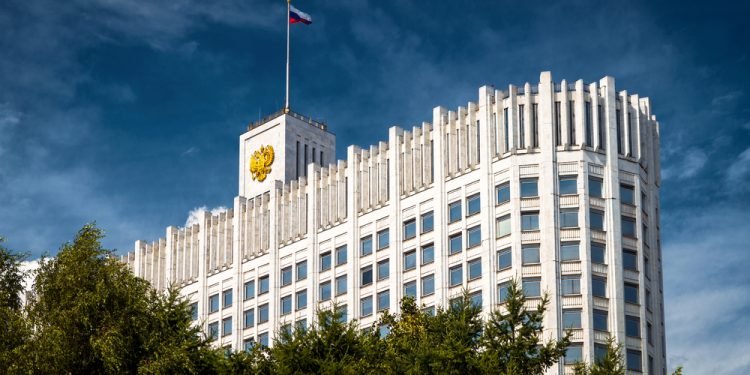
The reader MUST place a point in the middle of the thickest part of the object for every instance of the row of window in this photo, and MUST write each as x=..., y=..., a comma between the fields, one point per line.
x=567, y=185
x=568, y=219
x=574, y=354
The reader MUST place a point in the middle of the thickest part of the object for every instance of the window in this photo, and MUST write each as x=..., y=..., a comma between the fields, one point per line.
x=529, y=188
x=529, y=221
x=474, y=237
x=454, y=211
x=599, y=287
x=632, y=326
x=429, y=310
x=571, y=285
x=286, y=276
x=263, y=285
x=456, y=275
x=410, y=260
x=366, y=275
x=503, y=226
x=428, y=254
x=646, y=268
x=569, y=218
x=600, y=320
x=597, y=253
x=341, y=253
x=365, y=305
x=474, y=268
x=263, y=339
x=410, y=289
x=502, y=292
x=633, y=360
x=213, y=331
x=476, y=299
x=571, y=319
x=301, y=299
x=384, y=269
x=569, y=251
x=574, y=354
x=249, y=343
x=569, y=185
x=213, y=303
x=226, y=298
x=648, y=300
x=532, y=287
x=194, y=311
x=325, y=261
x=600, y=352
x=383, y=239
x=384, y=300
x=286, y=305
x=628, y=227
x=343, y=313
x=410, y=229
x=631, y=293
x=587, y=124
x=630, y=260
x=325, y=291
x=627, y=194
x=249, y=316
x=341, y=285
x=263, y=313
x=456, y=243
x=250, y=289
x=502, y=193
x=504, y=259
x=596, y=219
x=428, y=285
x=530, y=254
x=302, y=270
x=473, y=205
x=596, y=187
x=428, y=222
x=365, y=245
x=650, y=333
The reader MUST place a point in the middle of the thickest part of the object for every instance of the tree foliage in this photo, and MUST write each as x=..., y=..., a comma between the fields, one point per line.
x=613, y=362
x=90, y=315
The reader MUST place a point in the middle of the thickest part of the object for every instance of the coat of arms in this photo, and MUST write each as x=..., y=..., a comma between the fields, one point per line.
x=260, y=163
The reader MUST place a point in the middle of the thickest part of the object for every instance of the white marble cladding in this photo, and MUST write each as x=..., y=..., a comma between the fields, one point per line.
x=542, y=133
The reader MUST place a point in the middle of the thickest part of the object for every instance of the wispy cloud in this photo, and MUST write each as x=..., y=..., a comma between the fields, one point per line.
x=707, y=291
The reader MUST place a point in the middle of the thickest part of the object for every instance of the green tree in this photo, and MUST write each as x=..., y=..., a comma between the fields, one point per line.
x=446, y=343
x=613, y=362
x=91, y=315
x=512, y=338
x=328, y=346
x=13, y=324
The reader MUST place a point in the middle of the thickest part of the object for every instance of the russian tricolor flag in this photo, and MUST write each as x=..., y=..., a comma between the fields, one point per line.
x=295, y=15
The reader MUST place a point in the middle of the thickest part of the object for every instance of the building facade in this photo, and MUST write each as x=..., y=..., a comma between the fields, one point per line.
x=553, y=184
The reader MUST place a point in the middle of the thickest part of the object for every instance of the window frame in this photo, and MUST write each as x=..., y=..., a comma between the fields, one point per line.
x=470, y=200
x=473, y=263
x=411, y=223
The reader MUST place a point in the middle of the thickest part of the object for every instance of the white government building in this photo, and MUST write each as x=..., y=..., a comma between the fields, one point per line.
x=554, y=184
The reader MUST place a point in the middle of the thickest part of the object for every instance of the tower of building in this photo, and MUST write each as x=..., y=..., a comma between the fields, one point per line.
x=555, y=185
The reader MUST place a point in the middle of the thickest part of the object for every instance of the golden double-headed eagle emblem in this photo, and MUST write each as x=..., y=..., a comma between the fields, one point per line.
x=260, y=163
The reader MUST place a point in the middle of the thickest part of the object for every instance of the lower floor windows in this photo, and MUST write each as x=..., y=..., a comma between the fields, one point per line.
x=571, y=319
x=532, y=287
x=633, y=360
x=632, y=326
x=213, y=331
x=574, y=353
x=600, y=320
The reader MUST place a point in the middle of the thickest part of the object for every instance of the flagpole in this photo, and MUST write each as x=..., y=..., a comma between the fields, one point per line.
x=286, y=103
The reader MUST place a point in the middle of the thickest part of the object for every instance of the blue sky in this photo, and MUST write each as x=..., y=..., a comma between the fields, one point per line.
x=128, y=113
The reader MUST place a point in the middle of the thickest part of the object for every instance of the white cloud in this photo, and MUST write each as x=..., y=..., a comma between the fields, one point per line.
x=707, y=291
x=739, y=170
x=194, y=217
x=684, y=164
